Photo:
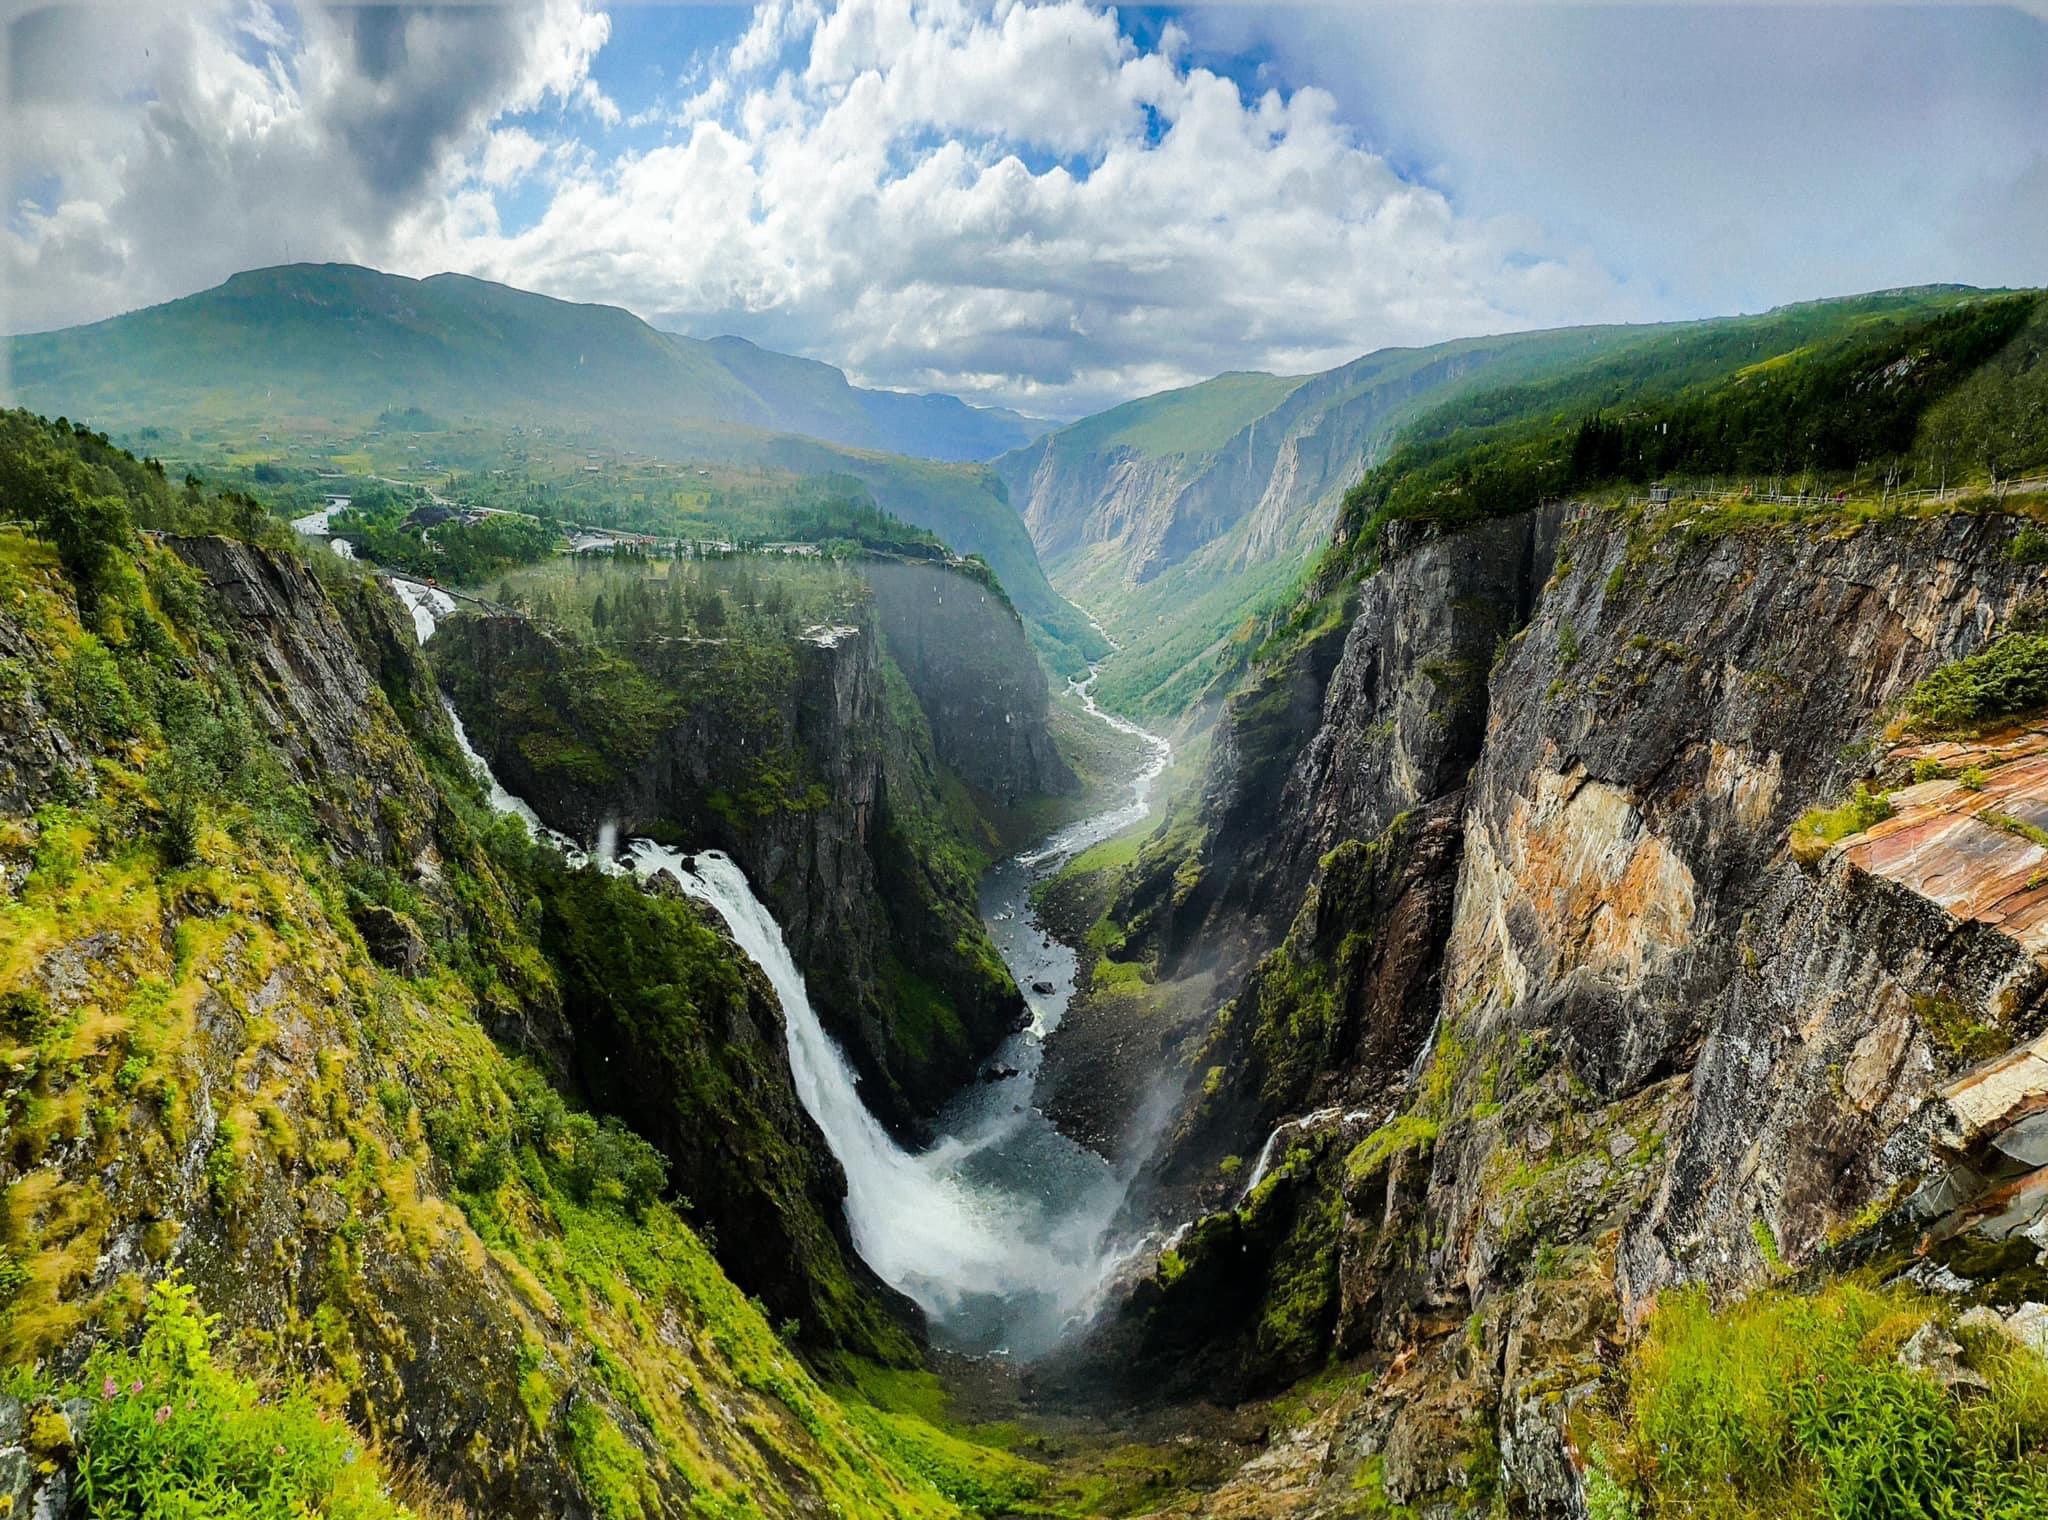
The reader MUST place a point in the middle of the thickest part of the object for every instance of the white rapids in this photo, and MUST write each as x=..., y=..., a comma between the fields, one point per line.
x=315, y=525
x=1003, y=1230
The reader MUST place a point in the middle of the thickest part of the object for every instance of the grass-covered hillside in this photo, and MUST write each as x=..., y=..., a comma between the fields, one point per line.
x=307, y=1203
x=1191, y=522
x=332, y=368
x=1874, y=396
x=1177, y=518
x=328, y=340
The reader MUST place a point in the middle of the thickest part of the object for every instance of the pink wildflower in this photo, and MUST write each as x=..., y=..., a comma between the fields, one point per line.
x=163, y=1412
x=109, y=1388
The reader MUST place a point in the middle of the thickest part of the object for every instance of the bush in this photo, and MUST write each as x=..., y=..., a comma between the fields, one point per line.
x=2006, y=679
x=607, y=1163
x=2029, y=547
x=172, y=1434
x=1818, y=828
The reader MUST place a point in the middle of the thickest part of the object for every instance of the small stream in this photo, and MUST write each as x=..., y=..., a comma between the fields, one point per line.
x=1002, y=1230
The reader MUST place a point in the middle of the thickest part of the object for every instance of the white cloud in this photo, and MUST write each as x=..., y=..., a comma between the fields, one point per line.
x=510, y=154
x=1018, y=202
x=1728, y=157
x=163, y=149
x=1012, y=199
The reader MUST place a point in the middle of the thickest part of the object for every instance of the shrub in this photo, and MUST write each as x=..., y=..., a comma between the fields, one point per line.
x=2029, y=547
x=1793, y=1406
x=2008, y=678
x=172, y=1434
x=1818, y=828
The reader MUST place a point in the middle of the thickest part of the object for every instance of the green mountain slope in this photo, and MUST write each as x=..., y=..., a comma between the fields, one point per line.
x=815, y=399
x=294, y=1024
x=325, y=354
x=330, y=339
x=1184, y=521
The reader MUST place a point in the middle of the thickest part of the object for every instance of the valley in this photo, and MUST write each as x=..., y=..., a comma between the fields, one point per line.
x=1023, y=760
x=742, y=1015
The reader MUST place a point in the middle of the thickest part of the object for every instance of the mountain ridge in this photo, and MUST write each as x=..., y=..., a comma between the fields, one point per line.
x=323, y=355
x=728, y=379
x=1175, y=516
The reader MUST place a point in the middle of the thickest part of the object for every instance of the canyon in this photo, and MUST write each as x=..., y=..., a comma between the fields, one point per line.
x=691, y=1028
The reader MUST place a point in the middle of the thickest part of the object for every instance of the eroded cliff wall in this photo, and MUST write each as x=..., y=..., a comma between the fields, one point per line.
x=1562, y=1017
x=827, y=766
x=966, y=657
x=255, y=956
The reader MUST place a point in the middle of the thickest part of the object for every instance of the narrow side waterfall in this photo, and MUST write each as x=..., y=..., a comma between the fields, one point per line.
x=1002, y=1230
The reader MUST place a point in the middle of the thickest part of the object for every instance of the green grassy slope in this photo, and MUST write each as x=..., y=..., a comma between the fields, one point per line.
x=1177, y=518
x=331, y=353
x=1251, y=510
x=1878, y=394
x=425, y=1252
x=332, y=340
x=1193, y=420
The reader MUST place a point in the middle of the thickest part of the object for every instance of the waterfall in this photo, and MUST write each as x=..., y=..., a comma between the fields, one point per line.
x=1001, y=1231
x=427, y=604
x=917, y=1218
x=1271, y=1148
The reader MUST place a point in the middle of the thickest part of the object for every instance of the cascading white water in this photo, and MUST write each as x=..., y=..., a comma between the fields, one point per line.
x=427, y=604
x=315, y=525
x=1002, y=1231
x=920, y=1219
x=1305, y=1123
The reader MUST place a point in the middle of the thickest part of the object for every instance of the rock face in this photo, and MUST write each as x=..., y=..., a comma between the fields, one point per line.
x=982, y=691
x=1574, y=1023
x=1330, y=835
x=312, y=690
x=282, y=1123
x=1297, y=456
x=843, y=847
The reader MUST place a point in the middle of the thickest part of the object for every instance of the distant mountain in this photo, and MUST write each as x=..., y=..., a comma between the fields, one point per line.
x=814, y=399
x=328, y=334
x=1172, y=517
x=334, y=348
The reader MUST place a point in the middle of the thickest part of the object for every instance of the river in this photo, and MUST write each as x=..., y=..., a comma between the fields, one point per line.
x=1002, y=1230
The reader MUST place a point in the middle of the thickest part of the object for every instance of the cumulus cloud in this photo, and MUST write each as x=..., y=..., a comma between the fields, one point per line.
x=1013, y=199
x=154, y=152
x=1018, y=202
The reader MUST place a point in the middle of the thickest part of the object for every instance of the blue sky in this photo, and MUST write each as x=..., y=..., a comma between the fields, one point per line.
x=1036, y=202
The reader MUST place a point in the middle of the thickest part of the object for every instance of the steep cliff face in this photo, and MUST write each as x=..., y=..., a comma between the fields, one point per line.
x=249, y=1027
x=1315, y=874
x=312, y=692
x=1156, y=495
x=967, y=659
x=1650, y=1046
x=824, y=778
x=1177, y=516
